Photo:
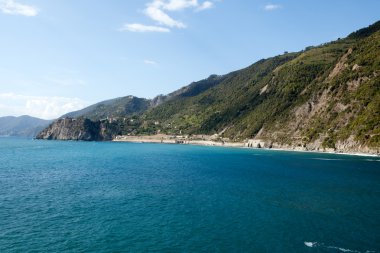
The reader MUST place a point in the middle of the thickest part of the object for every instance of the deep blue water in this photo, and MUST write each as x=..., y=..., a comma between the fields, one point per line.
x=123, y=197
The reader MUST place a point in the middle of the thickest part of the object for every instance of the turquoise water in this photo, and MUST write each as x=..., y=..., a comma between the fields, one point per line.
x=124, y=197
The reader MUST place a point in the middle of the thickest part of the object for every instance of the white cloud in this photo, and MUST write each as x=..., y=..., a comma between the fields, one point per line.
x=205, y=5
x=150, y=62
x=157, y=10
x=158, y=15
x=175, y=5
x=38, y=106
x=143, y=28
x=272, y=7
x=14, y=8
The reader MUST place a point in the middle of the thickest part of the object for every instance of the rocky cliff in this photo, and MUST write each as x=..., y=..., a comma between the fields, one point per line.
x=80, y=129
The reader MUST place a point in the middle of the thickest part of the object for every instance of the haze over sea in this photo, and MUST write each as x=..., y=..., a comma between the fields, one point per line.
x=125, y=197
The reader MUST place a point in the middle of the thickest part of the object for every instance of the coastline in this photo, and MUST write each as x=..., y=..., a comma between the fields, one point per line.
x=165, y=139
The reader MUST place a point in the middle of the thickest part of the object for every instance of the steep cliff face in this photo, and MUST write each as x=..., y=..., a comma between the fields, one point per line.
x=79, y=129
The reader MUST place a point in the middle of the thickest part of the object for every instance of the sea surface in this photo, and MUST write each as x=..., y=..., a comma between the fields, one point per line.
x=60, y=196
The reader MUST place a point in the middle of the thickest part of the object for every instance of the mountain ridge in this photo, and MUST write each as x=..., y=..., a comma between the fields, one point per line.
x=327, y=96
x=22, y=126
x=116, y=107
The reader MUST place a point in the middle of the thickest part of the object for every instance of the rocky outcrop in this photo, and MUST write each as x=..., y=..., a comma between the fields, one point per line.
x=76, y=129
x=340, y=66
x=348, y=146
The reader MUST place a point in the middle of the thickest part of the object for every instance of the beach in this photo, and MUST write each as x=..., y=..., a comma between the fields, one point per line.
x=213, y=140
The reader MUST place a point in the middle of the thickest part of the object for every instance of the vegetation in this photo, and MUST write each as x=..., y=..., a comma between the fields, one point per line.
x=118, y=107
x=327, y=94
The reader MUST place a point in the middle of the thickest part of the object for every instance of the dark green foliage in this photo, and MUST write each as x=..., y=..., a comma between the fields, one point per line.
x=365, y=32
x=118, y=107
x=196, y=88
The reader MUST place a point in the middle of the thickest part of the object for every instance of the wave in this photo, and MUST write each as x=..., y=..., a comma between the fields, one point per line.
x=328, y=159
x=311, y=244
x=372, y=160
x=337, y=159
x=317, y=244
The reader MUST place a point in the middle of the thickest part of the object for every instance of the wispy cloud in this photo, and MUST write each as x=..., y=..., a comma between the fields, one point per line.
x=272, y=7
x=157, y=10
x=38, y=106
x=143, y=28
x=205, y=5
x=12, y=7
x=150, y=62
x=176, y=5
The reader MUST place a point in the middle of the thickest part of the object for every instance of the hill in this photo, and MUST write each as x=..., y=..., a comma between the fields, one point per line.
x=324, y=97
x=118, y=107
x=23, y=126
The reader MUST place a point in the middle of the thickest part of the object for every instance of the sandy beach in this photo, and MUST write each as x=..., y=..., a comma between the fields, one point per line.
x=168, y=139
x=206, y=140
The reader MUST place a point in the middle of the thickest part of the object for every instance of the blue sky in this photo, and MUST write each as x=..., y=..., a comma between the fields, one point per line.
x=58, y=56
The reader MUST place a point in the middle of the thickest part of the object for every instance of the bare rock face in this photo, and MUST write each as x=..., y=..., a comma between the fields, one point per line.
x=341, y=65
x=73, y=129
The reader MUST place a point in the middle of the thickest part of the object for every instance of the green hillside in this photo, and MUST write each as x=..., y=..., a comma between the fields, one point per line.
x=326, y=96
x=118, y=107
x=327, y=93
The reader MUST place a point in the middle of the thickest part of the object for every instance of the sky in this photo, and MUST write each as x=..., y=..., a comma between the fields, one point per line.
x=62, y=55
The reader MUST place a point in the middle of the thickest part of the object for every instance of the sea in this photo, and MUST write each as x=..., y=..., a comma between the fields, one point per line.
x=66, y=196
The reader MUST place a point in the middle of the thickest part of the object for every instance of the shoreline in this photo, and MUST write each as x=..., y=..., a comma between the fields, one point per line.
x=243, y=145
x=326, y=152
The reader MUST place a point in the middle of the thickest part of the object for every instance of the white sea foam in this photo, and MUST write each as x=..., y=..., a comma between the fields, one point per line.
x=337, y=159
x=342, y=249
x=327, y=159
x=372, y=160
x=311, y=244
x=315, y=244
